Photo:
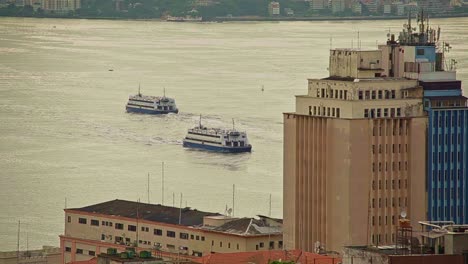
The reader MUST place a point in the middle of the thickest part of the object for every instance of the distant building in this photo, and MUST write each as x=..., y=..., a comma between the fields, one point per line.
x=60, y=6
x=119, y=5
x=318, y=4
x=274, y=8
x=337, y=6
x=398, y=9
x=167, y=230
x=356, y=8
x=288, y=11
x=387, y=9
x=371, y=5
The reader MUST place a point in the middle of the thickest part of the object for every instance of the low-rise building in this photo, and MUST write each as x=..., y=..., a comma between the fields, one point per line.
x=168, y=230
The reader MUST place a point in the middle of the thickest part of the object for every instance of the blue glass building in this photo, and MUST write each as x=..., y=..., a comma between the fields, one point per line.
x=447, y=152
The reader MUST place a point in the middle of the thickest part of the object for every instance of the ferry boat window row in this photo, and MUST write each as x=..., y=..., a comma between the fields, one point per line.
x=325, y=111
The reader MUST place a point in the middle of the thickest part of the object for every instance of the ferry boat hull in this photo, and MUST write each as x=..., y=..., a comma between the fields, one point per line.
x=224, y=149
x=150, y=111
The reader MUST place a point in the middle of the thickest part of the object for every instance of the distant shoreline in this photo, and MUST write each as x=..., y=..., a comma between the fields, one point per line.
x=253, y=18
x=325, y=18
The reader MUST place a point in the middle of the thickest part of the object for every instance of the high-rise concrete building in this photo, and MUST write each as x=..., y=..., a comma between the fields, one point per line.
x=353, y=155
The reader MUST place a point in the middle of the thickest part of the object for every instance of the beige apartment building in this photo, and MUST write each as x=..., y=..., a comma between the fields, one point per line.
x=353, y=156
x=163, y=229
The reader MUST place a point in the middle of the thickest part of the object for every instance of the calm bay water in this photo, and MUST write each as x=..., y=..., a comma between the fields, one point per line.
x=64, y=133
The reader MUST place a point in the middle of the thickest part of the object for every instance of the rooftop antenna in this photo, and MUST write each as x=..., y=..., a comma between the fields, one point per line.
x=27, y=244
x=18, y=242
x=199, y=122
x=233, y=198
x=269, y=212
x=164, y=92
x=358, y=41
x=233, y=125
x=148, y=187
x=137, y=216
x=180, y=210
x=162, y=185
x=139, y=93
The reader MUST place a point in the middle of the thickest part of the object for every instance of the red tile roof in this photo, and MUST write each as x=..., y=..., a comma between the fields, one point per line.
x=264, y=257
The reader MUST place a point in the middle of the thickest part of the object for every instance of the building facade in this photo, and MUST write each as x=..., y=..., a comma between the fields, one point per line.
x=352, y=155
x=118, y=224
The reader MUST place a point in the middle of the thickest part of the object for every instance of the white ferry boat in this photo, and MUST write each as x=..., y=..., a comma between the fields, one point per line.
x=151, y=104
x=184, y=19
x=216, y=139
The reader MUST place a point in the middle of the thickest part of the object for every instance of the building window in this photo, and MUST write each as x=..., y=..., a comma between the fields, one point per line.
x=171, y=247
x=94, y=222
x=220, y=243
x=366, y=113
x=261, y=244
x=419, y=52
x=79, y=251
x=119, y=226
x=385, y=112
x=398, y=111
x=82, y=220
x=170, y=233
x=197, y=237
x=379, y=93
x=68, y=249
x=202, y=238
x=238, y=246
x=91, y=253
x=192, y=237
x=271, y=245
x=373, y=95
x=338, y=112
x=184, y=236
x=229, y=245
x=280, y=244
x=69, y=219
x=132, y=228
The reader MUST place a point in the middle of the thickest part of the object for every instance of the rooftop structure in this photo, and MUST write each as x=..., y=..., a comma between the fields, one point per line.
x=150, y=212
